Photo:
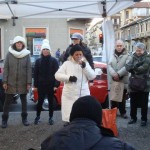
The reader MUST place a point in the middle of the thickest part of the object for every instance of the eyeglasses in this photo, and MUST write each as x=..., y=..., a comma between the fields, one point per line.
x=46, y=49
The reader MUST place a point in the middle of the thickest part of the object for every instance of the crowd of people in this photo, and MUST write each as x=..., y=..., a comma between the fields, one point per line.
x=79, y=111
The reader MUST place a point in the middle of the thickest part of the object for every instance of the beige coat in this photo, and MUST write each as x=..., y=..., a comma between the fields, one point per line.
x=17, y=74
x=117, y=65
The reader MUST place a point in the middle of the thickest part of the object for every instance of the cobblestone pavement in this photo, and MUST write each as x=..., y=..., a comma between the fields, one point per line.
x=19, y=137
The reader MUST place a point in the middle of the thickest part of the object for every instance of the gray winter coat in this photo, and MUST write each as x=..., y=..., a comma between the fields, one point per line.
x=139, y=66
x=117, y=65
x=17, y=74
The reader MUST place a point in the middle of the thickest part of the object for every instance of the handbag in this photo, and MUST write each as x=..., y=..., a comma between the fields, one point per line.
x=116, y=91
x=137, y=83
x=109, y=120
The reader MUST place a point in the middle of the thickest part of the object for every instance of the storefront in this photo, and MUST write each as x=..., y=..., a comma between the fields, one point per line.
x=34, y=38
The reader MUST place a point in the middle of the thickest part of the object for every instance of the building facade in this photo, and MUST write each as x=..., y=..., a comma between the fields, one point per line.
x=57, y=31
x=135, y=25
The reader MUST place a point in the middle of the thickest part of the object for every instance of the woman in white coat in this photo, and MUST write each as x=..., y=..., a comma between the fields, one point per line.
x=75, y=73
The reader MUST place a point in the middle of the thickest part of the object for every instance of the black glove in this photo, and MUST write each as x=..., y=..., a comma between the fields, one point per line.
x=132, y=71
x=73, y=79
x=83, y=64
x=138, y=64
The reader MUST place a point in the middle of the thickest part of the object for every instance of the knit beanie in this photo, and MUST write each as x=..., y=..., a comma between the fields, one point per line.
x=87, y=107
x=45, y=45
x=75, y=48
x=19, y=39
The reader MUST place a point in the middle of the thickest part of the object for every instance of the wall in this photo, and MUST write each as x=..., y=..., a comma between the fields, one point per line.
x=58, y=31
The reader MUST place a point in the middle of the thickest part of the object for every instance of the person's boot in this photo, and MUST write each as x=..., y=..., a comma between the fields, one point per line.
x=24, y=119
x=4, y=121
x=36, y=120
x=51, y=121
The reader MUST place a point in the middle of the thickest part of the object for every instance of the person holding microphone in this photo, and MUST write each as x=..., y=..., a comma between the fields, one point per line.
x=75, y=73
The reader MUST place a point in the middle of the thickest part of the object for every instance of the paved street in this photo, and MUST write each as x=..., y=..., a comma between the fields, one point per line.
x=135, y=134
x=33, y=135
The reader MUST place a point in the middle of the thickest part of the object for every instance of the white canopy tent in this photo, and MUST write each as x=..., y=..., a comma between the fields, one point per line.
x=14, y=9
x=61, y=8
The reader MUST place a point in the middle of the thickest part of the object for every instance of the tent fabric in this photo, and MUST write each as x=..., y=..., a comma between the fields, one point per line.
x=109, y=40
x=60, y=8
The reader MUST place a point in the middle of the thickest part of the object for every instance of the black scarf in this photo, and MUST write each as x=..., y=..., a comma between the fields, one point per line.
x=119, y=53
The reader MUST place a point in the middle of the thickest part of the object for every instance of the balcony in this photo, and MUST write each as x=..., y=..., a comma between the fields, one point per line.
x=147, y=33
x=142, y=34
x=133, y=36
x=127, y=38
x=138, y=35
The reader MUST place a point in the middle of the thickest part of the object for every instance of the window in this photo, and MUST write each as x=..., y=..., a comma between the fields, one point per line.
x=34, y=39
x=146, y=26
x=127, y=14
x=141, y=27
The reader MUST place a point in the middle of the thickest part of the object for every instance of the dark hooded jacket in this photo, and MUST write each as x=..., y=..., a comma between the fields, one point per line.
x=83, y=134
x=86, y=52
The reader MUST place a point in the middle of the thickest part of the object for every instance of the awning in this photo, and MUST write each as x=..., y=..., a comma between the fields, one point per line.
x=61, y=8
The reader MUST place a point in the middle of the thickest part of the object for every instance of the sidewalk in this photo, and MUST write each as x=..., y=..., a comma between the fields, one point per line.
x=136, y=135
x=19, y=137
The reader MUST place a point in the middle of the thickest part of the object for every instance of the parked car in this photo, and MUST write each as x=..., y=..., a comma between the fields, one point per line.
x=97, y=58
x=2, y=92
x=98, y=89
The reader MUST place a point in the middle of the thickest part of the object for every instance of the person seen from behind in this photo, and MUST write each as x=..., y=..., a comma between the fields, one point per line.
x=61, y=58
x=57, y=55
x=75, y=73
x=44, y=80
x=84, y=131
x=77, y=38
x=119, y=73
x=17, y=78
x=139, y=67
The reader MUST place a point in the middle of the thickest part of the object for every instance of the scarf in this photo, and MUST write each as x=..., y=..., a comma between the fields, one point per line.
x=119, y=53
x=19, y=54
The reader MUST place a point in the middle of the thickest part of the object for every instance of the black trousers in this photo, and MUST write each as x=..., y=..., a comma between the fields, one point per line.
x=9, y=100
x=136, y=99
x=120, y=105
x=42, y=95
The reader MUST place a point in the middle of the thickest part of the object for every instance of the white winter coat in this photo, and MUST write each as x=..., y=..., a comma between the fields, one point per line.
x=73, y=90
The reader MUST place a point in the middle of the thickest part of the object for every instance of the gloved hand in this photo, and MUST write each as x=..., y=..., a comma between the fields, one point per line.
x=83, y=64
x=73, y=79
x=138, y=64
x=132, y=71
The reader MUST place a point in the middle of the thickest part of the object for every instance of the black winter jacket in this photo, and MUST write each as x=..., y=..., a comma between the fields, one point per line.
x=44, y=71
x=83, y=134
x=86, y=52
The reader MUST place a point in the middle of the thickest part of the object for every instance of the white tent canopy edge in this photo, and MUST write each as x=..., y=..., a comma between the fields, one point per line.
x=60, y=8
